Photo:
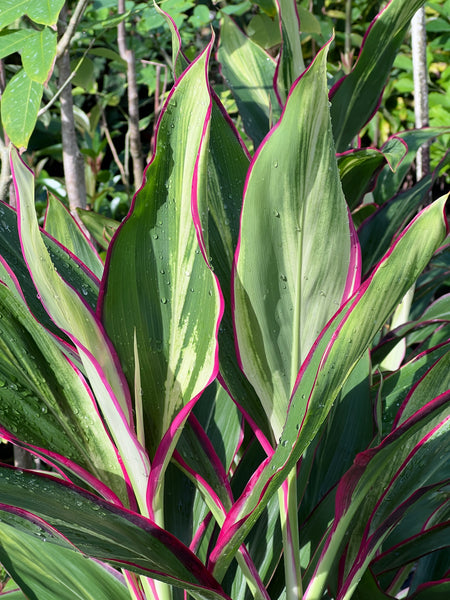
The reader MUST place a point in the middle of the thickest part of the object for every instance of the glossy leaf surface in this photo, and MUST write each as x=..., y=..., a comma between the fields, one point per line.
x=47, y=571
x=283, y=298
x=339, y=347
x=67, y=516
x=157, y=282
x=46, y=403
x=68, y=310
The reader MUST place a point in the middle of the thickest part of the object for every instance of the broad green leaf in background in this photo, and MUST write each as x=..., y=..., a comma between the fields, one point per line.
x=38, y=54
x=70, y=517
x=284, y=296
x=14, y=40
x=62, y=226
x=355, y=97
x=157, y=282
x=20, y=106
x=249, y=72
x=341, y=344
x=45, y=13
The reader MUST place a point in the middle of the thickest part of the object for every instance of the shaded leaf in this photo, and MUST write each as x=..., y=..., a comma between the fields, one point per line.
x=100, y=227
x=62, y=226
x=389, y=181
x=354, y=98
x=290, y=63
x=69, y=517
x=47, y=406
x=47, y=571
x=249, y=72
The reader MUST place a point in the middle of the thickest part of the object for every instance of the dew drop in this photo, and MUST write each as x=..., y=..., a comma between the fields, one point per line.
x=276, y=214
x=275, y=164
x=163, y=300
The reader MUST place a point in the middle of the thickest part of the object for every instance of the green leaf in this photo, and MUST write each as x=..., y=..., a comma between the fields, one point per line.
x=157, y=282
x=47, y=571
x=46, y=12
x=108, y=53
x=383, y=482
x=60, y=224
x=309, y=23
x=342, y=343
x=45, y=402
x=13, y=41
x=389, y=181
x=293, y=207
x=334, y=454
x=358, y=168
x=376, y=234
x=69, y=311
x=100, y=227
x=19, y=107
x=396, y=386
x=290, y=63
x=69, y=517
x=12, y=10
x=10, y=252
x=38, y=55
x=264, y=31
x=249, y=72
x=354, y=99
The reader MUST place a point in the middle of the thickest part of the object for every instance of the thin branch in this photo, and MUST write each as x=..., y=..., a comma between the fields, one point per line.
x=77, y=14
x=114, y=151
x=52, y=101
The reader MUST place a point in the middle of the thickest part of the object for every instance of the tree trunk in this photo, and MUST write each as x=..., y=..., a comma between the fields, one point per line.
x=133, y=102
x=72, y=159
x=420, y=74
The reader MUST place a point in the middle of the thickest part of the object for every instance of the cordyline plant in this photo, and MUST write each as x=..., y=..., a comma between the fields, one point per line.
x=223, y=406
